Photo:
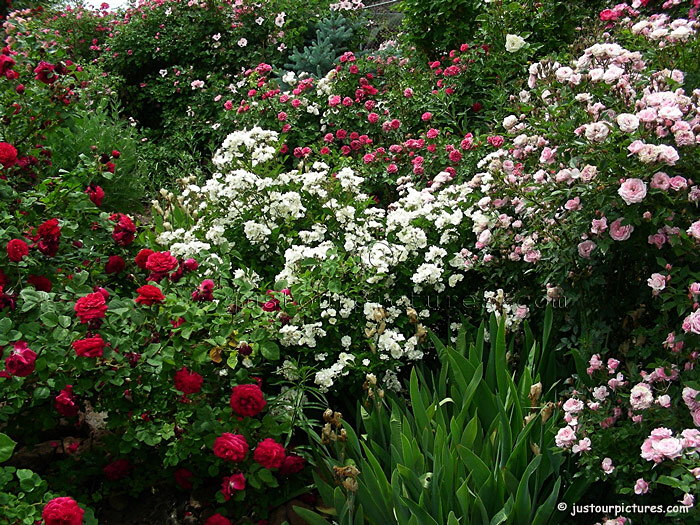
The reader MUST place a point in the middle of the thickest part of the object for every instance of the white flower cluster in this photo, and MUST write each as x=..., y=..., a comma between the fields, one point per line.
x=258, y=145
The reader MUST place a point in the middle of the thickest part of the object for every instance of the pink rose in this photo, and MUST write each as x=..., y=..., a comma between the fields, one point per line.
x=656, y=282
x=641, y=486
x=633, y=191
x=678, y=183
x=619, y=232
x=691, y=324
x=599, y=225
x=660, y=181
x=566, y=437
x=582, y=446
x=585, y=248
x=670, y=448
x=607, y=466
x=694, y=230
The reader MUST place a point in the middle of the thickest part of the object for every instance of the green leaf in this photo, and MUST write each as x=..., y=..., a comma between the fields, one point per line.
x=270, y=350
x=309, y=517
x=5, y=325
x=7, y=446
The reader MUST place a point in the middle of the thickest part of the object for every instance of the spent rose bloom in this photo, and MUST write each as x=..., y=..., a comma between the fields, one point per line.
x=633, y=191
x=641, y=396
x=641, y=486
x=607, y=466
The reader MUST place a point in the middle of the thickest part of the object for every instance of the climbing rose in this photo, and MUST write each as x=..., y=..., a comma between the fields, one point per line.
x=115, y=264
x=269, y=453
x=17, y=250
x=232, y=484
x=218, y=519
x=62, y=511
x=292, y=464
x=232, y=447
x=89, y=347
x=92, y=306
x=96, y=194
x=149, y=295
x=124, y=229
x=65, y=402
x=8, y=154
x=247, y=400
x=188, y=382
x=20, y=362
x=142, y=258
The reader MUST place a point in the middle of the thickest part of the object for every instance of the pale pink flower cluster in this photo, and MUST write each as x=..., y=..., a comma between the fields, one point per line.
x=661, y=29
x=662, y=444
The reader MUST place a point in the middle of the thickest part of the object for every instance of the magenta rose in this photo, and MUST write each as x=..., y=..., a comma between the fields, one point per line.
x=231, y=447
x=21, y=360
x=232, y=484
x=269, y=454
x=65, y=402
x=62, y=511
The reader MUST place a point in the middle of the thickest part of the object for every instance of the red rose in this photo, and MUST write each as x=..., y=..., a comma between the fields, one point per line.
x=117, y=470
x=269, y=453
x=92, y=306
x=183, y=477
x=96, y=194
x=142, y=257
x=292, y=464
x=110, y=166
x=149, y=295
x=161, y=262
x=247, y=400
x=17, y=250
x=45, y=72
x=188, y=382
x=232, y=484
x=6, y=64
x=8, y=154
x=41, y=283
x=231, y=447
x=62, y=511
x=49, y=234
x=190, y=265
x=115, y=264
x=21, y=360
x=218, y=519
x=89, y=347
x=116, y=153
x=3, y=279
x=65, y=402
x=124, y=230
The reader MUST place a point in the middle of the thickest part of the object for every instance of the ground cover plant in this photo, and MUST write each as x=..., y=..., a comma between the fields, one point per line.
x=275, y=272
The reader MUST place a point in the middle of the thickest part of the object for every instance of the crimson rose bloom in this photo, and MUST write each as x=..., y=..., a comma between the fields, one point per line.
x=188, y=382
x=96, y=194
x=232, y=484
x=292, y=464
x=232, y=447
x=45, y=72
x=218, y=519
x=124, y=230
x=247, y=400
x=62, y=511
x=49, y=236
x=40, y=282
x=183, y=477
x=161, y=262
x=269, y=453
x=21, y=360
x=142, y=257
x=89, y=347
x=117, y=470
x=149, y=295
x=17, y=249
x=65, y=402
x=115, y=264
x=92, y=306
x=8, y=154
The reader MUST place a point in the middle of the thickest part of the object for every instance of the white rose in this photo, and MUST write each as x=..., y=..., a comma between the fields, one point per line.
x=514, y=43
